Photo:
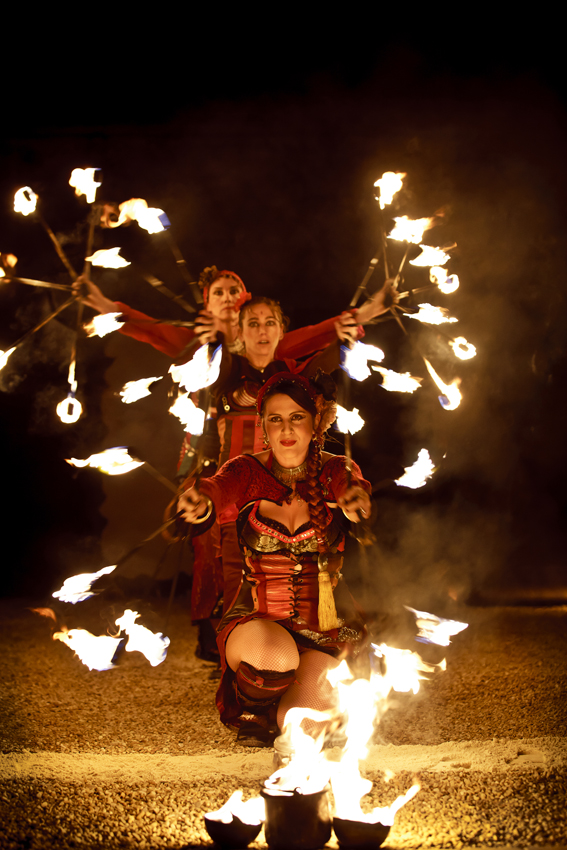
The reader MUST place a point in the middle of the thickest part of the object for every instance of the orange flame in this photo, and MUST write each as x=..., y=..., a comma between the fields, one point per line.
x=108, y=258
x=463, y=350
x=103, y=324
x=408, y=230
x=199, y=372
x=389, y=184
x=432, y=315
x=135, y=390
x=114, y=461
x=451, y=397
x=446, y=282
x=416, y=475
x=25, y=200
x=430, y=256
x=190, y=416
x=397, y=382
x=83, y=182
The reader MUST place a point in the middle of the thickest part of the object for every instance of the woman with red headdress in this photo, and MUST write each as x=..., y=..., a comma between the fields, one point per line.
x=292, y=614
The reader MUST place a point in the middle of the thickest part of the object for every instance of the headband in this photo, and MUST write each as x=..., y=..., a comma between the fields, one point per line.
x=245, y=296
x=286, y=377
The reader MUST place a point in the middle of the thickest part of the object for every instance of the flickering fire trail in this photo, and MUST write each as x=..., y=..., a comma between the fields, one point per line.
x=108, y=258
x=103, y=324
x=135, y=390
x=83, y=182
x=418, y=473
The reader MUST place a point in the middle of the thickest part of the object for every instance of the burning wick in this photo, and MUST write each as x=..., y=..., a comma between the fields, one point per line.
x=83, y=182
x=397, y=382
x=464, y=350
x=389, y=184
x=77, y=588
x=355, y=359
x=116, y=461
x=432, y=315
x=408, y=230
x=69, y=410
x=140, y=639
x=96, y=653
x=135, y=390
x=447, y=283
x=190, y=416
x=151, y=219
x=348, y=421
x=433, y=629
x=200, y=372
x=451, y=397
x=108, y=258
x=430, y=256
x=4, y=355
x=25, y=201
x=417, y=474
x=103, y=324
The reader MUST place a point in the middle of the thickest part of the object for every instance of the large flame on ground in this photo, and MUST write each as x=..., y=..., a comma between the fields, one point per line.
x=451, y=395
x=399, y=382
x=140, y=639
x=408, y=230
x=25, y=200
x=83, y=182
x=417, y=474
x=78, y=588
x=199, y=372
x=463, y=350
x=389, y=184
x=135, y=390
x=430, y=256
x=108, y=258
x=114, y=461
x=190, y=416
x=103, y=324
x=348, y=421
x=446, y=282
x=355, y=359
x=96, y=652
x=432, y=315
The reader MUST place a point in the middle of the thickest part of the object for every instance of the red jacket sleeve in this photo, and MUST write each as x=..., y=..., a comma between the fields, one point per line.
x=309, y=339
x=166, y=338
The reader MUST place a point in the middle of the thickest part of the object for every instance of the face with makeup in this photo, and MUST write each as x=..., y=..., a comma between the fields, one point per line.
x=289, y=428
x=261, y=331
x=222, y=296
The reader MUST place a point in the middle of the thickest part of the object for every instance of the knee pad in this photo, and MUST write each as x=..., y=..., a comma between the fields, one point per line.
x=257, y=688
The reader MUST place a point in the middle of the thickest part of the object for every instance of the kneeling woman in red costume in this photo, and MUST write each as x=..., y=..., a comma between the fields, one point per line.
x=293, y=615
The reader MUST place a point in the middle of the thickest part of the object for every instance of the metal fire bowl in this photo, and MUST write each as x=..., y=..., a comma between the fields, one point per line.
x=234, y=834
x=357, y=833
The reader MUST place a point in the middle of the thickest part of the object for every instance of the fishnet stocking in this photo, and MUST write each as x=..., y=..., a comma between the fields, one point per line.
x=311, y=688
x=263, y=644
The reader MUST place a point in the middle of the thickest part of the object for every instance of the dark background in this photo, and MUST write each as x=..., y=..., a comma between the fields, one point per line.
x=263, y=151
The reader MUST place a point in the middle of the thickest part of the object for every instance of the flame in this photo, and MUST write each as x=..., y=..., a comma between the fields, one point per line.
x=96, y=653
x=252, y=811
x=108, y=258
x=348, y=421
x=83, y=182
x=136, y=209
x=2, y=272
x=408, y=230
x=4, y=355
x=135, y=390
x=190, y=416
x=69, y=410
x=355, y=359
x=446, y=282
x=398, y=382
x=451, y=397
x=464, y=350
x=434, y=629
x=9, y=260
x=417, y=474
x=77, y=588
x=103, y=324
x=430, y=256
x=114, y=461
x=199, y=372
x=25, y=200
x=308, y=770
x=140, y=639
x=432, y=315
x=389, y=184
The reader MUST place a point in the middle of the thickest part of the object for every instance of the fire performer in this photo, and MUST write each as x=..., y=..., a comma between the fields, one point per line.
x=292, y=614
x=254, y=334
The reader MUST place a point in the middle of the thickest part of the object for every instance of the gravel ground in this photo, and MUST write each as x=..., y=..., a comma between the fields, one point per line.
x=132, y=757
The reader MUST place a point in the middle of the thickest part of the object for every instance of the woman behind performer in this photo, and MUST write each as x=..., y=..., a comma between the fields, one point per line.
x=292, y=616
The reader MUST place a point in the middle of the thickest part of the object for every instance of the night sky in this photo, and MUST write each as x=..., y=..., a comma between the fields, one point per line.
x=263, y=151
